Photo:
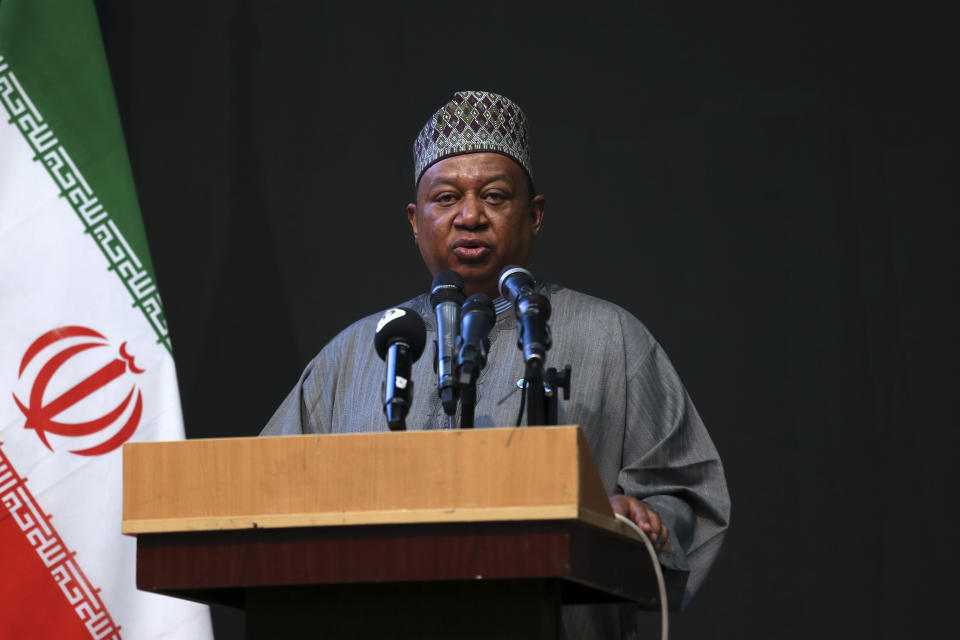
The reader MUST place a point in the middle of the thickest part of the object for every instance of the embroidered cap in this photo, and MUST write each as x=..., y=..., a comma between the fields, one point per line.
x=473, y=121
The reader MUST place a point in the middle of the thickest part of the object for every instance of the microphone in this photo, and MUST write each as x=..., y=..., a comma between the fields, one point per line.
x=516, y=284
x=446, y=296
x=477, y=318
x=399, y=340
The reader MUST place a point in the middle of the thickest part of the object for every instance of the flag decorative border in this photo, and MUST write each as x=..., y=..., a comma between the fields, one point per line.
x=35, y=525
x=122, y=259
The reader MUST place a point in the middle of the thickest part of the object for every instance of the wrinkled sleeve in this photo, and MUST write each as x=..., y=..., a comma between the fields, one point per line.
x=670, y=462
x=309, y=405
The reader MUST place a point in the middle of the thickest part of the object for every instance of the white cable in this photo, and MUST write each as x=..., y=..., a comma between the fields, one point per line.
x=661, y=585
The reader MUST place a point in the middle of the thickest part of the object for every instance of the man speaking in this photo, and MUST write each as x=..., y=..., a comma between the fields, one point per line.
x=476, y=212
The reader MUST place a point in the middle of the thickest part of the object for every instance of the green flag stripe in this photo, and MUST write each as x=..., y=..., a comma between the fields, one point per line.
x=98, y=223
x=55, y=48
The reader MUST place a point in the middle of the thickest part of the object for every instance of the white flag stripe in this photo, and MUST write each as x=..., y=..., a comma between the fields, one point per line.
x=64, y=262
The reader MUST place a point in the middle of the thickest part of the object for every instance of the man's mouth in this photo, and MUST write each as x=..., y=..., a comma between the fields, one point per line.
x=471, y=250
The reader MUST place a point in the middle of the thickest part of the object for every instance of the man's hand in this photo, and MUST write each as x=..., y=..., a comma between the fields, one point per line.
x=646, y=518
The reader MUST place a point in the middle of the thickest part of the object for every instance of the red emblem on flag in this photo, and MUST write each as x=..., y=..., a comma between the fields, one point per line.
x=41, y=411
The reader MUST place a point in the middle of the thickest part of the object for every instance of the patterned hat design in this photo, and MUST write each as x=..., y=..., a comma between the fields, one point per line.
x=473, y=121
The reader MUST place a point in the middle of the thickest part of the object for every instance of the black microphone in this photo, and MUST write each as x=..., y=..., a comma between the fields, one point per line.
x=446, y=296
x=477, y=318
x=516, y=284
x=399, y=340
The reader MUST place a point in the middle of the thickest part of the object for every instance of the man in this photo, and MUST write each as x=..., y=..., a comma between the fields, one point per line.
x=476, y=212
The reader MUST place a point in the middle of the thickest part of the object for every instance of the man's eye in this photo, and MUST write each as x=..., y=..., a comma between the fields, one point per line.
x=445, y=198
x=495, y=196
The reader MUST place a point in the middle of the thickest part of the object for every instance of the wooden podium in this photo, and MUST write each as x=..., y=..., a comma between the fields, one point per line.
x=462, y=533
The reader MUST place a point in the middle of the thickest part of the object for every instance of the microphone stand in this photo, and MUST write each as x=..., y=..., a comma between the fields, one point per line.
x=469, y=372
x=543, y=393
x=477, y=317
x=468, y=400
x=554, y=382
x=536, y=409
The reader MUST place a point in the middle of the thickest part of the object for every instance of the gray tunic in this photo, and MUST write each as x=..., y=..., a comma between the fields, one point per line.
x=644, y=433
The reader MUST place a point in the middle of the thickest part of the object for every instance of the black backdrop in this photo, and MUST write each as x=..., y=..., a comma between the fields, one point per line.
x=770, y=190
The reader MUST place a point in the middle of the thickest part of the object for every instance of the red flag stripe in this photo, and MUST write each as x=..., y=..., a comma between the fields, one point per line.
x=49, y=581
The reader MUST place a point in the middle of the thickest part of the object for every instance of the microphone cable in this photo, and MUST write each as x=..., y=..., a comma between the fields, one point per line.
x=523, y=400
x=661, y=585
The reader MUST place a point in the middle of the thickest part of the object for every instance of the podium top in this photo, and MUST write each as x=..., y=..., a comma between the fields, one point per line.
x=467, y=475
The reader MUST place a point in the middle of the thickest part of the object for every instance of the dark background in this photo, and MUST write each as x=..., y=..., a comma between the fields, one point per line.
x=771, y=190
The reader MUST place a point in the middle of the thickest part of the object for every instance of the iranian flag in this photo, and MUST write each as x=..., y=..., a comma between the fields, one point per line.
x=85, y=358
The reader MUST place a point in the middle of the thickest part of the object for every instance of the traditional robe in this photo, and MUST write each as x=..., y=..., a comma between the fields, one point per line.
x=644, y=433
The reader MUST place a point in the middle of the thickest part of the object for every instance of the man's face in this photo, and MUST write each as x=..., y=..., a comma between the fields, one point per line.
x=474, y=215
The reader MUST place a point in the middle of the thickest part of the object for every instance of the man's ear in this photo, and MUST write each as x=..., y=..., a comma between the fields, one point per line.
x=537, y=207
x=412, y=218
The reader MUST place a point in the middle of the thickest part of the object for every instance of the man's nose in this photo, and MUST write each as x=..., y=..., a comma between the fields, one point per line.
x=472, y=213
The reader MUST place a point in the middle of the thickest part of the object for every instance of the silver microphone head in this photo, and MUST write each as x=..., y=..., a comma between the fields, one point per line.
x=515, y=282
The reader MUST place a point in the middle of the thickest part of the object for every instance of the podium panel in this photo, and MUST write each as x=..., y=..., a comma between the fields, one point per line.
x=489, y=528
